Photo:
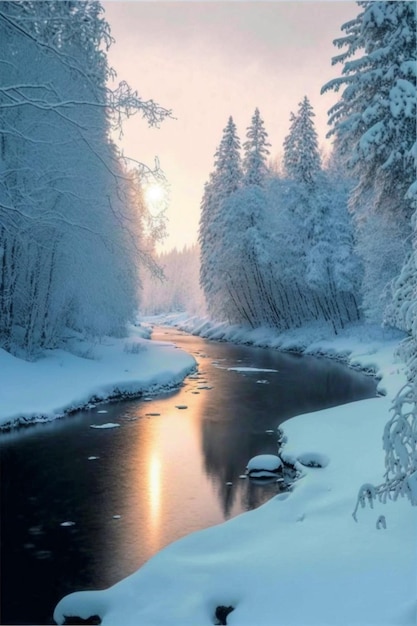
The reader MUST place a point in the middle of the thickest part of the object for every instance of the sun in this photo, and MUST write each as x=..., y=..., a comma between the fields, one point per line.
x=154, y=194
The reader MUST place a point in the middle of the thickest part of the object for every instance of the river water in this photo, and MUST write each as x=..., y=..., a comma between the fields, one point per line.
x=126, y=492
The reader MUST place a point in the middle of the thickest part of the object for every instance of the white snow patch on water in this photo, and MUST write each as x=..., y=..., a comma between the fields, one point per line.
x=104, y=426
x=248, y=369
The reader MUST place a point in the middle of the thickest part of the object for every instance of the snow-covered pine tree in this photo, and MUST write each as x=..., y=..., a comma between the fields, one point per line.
x=374, y=123
x=301, y=153
x=225, y=179
x=255, y=152
x=326, y=263
x=245, y=259
x=375, y=115
x=400, y=432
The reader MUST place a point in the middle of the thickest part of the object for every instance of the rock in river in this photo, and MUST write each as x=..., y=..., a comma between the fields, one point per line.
x=264, y=466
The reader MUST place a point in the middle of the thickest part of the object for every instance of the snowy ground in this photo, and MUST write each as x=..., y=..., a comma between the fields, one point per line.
x=63, y=381
x=300, y=559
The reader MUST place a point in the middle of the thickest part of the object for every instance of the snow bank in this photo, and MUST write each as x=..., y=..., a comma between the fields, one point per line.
x=61, y=382
x=299, y=559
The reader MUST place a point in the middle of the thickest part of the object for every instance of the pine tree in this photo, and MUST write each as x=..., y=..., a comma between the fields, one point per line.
x=225, y=180
x=374, y=126
x=301, y=153
x=374, y=122
x=227, y=162
x=256, y=151
x=374, y=118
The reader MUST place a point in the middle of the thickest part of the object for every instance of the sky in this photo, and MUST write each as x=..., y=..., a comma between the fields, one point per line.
x=209, y=60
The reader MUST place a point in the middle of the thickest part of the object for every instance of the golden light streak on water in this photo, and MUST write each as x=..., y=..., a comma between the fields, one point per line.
x=154, y=497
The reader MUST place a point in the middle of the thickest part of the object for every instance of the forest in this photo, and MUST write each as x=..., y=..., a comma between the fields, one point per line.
x=74, y=229
x=315, y=240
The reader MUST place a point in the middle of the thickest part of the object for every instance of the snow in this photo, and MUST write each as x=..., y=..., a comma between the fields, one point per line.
x=313, y=459
x=64, y=381
x=248, y=369
x=107, y=425
x=302, y=544
x=265, y=462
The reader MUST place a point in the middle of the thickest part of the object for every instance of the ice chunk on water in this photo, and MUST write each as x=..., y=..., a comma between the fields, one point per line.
x=107, y=425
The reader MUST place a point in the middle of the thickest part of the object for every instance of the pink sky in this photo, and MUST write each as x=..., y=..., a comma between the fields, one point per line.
x=209, y=60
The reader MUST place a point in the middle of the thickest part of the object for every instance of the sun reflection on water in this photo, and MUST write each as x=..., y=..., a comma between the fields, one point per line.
x=154, y=497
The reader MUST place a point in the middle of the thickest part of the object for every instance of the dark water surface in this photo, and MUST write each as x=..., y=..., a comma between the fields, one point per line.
x=165, y=474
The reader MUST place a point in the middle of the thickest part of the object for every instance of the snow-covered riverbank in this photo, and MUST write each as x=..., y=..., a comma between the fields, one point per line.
x=63, y=381
x=356, y=345
x=300, y=559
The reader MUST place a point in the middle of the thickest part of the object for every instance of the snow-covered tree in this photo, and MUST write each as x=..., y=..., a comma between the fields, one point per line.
x=316, y=272
x=225, y=179
x=242, y=261
x=255, y=152
x=301, y=152
x=70, y=228
x=400, y=432
x=374, y=124
x=374, y=118
x=327, y=274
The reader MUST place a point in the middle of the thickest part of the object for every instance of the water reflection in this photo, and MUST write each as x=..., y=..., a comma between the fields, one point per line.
x=154, y=494
x=155, y=479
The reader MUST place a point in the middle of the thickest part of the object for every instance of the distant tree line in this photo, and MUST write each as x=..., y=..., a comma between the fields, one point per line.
x=178, y=290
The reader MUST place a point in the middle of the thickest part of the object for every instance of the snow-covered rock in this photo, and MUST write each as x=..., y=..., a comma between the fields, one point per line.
x=263, y=465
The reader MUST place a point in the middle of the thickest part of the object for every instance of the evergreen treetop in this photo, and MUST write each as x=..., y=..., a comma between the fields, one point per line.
x=256, y=151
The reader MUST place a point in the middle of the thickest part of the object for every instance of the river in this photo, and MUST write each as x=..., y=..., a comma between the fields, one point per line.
x=84, y=507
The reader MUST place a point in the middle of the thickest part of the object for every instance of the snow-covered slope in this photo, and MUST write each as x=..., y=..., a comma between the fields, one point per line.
x=62, y=381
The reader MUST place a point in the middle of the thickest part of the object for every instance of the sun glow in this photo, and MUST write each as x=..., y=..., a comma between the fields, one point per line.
x=154, y=194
